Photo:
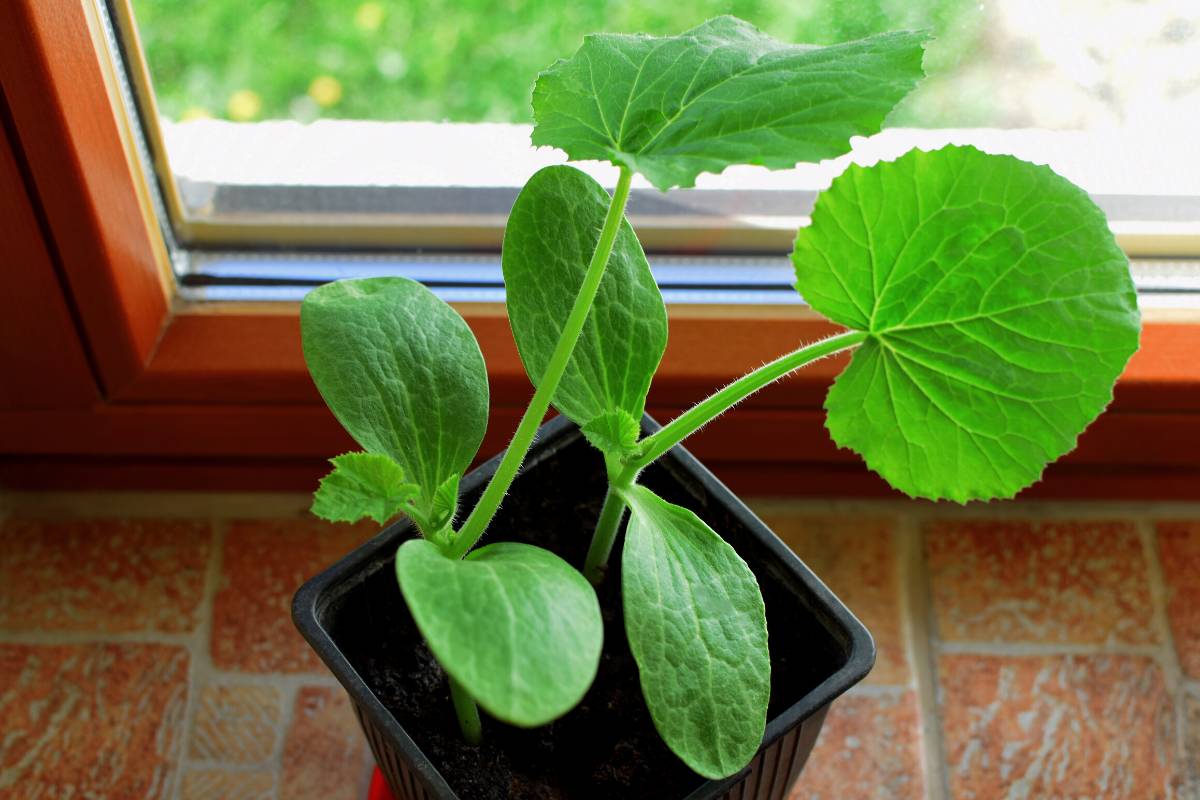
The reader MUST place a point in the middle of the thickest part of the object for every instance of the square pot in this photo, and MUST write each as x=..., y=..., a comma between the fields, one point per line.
x=354, y=617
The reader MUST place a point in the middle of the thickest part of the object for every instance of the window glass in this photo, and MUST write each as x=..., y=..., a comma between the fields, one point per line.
x=1059, y=64
x=334, y=124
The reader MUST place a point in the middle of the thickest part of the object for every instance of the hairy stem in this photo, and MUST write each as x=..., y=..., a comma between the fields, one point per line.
x=687, y=423
x=467, y=712
x=699, y=415
x=606, y=532
x=485, y=509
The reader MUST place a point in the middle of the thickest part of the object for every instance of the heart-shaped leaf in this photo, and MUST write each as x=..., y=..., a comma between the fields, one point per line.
x=516, y=625
x=363, y=485
x=698, y=630
x=723, y=93
x=1000, y=311
x=402, y=372
x=552, y=231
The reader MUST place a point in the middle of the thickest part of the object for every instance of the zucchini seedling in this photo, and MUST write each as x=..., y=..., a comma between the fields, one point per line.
x=987, y=305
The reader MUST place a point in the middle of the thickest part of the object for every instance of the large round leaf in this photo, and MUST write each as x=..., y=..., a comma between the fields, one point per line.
x=516, y=625
x=551, y=233
x=1000, y=311
x=401, y=371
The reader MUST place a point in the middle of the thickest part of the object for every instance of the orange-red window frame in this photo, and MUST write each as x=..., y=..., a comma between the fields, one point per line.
x=110, y=381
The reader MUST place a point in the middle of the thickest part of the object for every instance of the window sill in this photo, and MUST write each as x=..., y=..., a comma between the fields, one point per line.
x=335, y=182
x=226, y=401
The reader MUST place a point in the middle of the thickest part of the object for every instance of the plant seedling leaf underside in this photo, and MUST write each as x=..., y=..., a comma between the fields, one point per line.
x=616, y=432
x=402, y=372
x=551, y=234
x=723, y=93
x=363, y=485
x=516, y=625
x=1000, y=311
x=697, y=627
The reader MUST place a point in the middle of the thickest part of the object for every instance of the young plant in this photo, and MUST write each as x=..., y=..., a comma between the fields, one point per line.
x=988, y=306
x=516, y=628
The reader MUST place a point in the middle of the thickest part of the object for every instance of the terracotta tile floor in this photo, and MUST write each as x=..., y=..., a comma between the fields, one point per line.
x=1025, y=651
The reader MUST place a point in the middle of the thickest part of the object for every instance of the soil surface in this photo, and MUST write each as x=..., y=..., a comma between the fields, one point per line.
x=607, y=746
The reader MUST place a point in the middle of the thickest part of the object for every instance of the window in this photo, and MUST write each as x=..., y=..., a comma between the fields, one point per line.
x=130, y=373
x=393, y=136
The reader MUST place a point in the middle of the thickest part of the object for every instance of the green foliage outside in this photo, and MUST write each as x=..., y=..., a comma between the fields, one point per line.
x=474, y=60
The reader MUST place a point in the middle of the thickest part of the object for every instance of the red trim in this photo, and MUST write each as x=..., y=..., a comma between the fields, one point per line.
x=379, y=789
x=784, y=451
x=41, y=360
x=55, y=87
x=255, y=356
x=750, y=480
x=766, y=436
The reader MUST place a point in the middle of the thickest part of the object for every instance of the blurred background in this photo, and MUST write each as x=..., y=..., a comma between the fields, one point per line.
x=1071, y=64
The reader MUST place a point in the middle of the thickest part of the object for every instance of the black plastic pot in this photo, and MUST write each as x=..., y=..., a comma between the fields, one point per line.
x=818, y=649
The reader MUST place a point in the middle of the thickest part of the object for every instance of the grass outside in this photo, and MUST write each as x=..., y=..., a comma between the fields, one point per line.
x=475, y=60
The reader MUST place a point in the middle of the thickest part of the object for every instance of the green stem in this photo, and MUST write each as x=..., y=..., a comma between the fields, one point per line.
x=683, y=426
x=606, y=531
x=467, y=712
x=485, y=509
x=699, y=415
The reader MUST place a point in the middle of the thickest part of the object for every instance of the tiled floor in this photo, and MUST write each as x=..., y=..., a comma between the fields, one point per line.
x=1025, y=651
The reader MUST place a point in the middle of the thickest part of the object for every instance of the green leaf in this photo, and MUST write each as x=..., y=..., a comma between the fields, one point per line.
x=723, y=93
x=1000, y=311
x=445, y=503
x=513, y=623
x=552, y=231
x=698, y=630
x=363, y=485
x=401, y=371
x=615, y=432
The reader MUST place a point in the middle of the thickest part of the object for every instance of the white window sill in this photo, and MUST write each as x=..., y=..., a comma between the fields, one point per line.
x=451, y=184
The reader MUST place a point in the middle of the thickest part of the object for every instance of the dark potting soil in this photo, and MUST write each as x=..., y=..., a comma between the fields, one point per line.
x=607, y=746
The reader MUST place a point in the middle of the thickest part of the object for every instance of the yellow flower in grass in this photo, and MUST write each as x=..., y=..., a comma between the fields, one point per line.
x=195, y=112
x=369, y=16
x=244, y=105
x=326, y=90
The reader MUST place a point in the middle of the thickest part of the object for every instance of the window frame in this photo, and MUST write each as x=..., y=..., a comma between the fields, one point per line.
x=121, y=383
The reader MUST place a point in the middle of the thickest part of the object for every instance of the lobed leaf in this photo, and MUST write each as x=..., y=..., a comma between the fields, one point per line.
x=615, y=432
x=723, y=93
x=552, y=231
x=445, y=504
x=698, y=630
x=402, y=372
x=363, y=485
x=1000, y=311
x=513, y=623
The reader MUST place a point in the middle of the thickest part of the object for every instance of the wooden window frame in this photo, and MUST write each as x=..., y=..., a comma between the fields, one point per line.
x=112, y=381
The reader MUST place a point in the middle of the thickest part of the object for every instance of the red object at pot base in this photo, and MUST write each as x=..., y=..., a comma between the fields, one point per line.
x=379, y=789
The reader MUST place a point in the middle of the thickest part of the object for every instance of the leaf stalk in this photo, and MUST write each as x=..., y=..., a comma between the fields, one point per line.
x=606, y=527
x=467, y=712
x=655, y=446
x=483, y=512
